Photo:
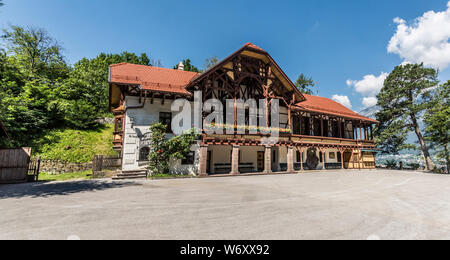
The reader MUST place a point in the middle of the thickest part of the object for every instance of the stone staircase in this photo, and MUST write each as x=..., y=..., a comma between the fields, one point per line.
x=126, y=175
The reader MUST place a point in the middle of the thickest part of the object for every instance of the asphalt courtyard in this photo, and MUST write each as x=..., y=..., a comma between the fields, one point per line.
x=322, y=205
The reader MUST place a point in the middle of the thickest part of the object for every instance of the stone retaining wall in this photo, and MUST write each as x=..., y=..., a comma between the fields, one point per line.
x=57, y=167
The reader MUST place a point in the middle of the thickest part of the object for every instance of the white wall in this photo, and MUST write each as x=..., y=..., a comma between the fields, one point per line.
x=137, y=123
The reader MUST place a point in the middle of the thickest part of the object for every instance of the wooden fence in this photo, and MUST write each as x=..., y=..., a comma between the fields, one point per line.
x=102, y=163
x=14, y=165
x=33, y=169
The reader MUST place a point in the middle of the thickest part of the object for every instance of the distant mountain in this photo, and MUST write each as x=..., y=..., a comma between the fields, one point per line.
x=370, y=112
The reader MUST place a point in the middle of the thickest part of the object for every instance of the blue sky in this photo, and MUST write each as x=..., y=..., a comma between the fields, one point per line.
x=338, y=43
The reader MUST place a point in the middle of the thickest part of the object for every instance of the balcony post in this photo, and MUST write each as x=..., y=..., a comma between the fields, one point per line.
x=290, y=159
x=301, y=158
x=267, y=159
x=203, y=160
x=235, y=160
x=324, y=160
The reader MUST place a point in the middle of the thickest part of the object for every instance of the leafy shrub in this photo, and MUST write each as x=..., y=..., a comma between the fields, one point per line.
x=162, y=151
x=391, y=164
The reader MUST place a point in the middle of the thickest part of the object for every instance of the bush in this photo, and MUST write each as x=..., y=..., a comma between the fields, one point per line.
x=162, y=151
x=414, y=166
x=391, y=164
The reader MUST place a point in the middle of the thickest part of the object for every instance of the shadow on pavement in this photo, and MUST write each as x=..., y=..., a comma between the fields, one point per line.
x=44, y=189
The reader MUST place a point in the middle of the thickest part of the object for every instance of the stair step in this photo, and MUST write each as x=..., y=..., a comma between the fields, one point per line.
x=136, y=174
x=131, y=174
x=129, y=177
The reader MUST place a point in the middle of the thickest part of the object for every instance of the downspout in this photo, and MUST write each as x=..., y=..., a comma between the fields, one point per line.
x=142, y=105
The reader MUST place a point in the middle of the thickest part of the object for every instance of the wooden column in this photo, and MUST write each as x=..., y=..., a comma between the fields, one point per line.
x=359, y=159
x=301, y=124
x=301, y=158
x=235, y=160
x=324, y=159
x=360, y=132
x=321, y=127
x=290, y=117
x=340, y=128
x=342, y=159
x=203, y=160
x=366, y=133
x=267, y=159
x=290, y=159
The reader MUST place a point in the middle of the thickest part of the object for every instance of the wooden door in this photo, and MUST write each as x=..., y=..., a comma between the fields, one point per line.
x=347, y=158
x=208, y=162
x=260, y=163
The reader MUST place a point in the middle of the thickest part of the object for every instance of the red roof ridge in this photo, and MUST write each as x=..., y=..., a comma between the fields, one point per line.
x=118, y=64
x=153, y=67
x=251, y=45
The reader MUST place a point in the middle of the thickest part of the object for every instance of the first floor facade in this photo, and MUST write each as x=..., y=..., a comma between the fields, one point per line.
x=239, y=154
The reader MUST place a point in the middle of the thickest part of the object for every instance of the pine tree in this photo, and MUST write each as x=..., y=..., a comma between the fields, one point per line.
x=406, y=94
x=437, y=120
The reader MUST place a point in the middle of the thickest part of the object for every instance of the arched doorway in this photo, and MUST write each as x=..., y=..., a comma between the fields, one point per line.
x=312, y=161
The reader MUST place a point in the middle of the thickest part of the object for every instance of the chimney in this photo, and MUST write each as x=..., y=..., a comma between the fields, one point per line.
x=180, y=66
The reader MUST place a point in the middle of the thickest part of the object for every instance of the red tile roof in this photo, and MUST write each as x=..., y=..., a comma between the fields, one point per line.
x=152, y=78
x=331, y=107
x=174, y=81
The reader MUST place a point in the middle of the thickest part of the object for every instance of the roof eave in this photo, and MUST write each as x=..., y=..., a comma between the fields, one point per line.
x=362, y=118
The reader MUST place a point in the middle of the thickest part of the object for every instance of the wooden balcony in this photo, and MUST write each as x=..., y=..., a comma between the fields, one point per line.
x=118, y=140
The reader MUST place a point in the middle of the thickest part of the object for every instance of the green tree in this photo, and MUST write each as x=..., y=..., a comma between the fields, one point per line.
x=403, y=99
x=188, y=66
x=27, y=105
x=305, y=85
x=210, y=62
x=36, y=52
x=87, y=88
x=437, y=121
x=163, y=151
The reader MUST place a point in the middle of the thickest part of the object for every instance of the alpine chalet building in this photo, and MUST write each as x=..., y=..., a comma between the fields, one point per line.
x=316, y=133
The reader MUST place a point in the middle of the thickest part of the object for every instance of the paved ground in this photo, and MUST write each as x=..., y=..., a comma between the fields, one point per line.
x=331, y=205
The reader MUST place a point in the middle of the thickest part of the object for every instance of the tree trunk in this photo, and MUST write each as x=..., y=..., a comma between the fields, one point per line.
x=423, y=145
x=447, y=157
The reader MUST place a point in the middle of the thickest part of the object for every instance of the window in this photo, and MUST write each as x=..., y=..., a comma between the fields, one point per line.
x=298, y=156
x=118, y=124
x=332, y=155
x=339, y=157
x=144, y=153
x=165, y=118
x=189, y=159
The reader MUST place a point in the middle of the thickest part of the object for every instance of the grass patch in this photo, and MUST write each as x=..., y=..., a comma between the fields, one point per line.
x=86, y=175
x=75, y=146
x=169, y=176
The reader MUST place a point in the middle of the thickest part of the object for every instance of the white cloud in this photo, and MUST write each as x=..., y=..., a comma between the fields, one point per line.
x=424, y=40
x=344, y=100
x=369, y=102
x=370, y=85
